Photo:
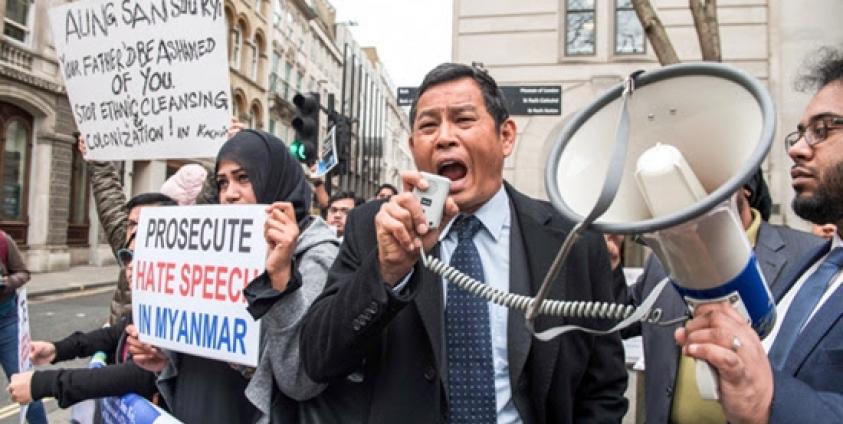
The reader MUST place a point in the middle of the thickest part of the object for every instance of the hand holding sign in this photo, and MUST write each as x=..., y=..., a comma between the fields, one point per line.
x=42, y=353
x=20, y=389
x=281, y=232
x=145, y=356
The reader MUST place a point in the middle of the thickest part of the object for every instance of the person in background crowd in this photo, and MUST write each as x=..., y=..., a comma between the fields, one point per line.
x=794, y=375
x=670, y=379
x=319, y=192
x=255, y=167
x=13, y=275
x=116, y=222
x=425, y=351
x=121, y=376
x=385, y=191
x=186, y=184
x=826, y=231
x=338, y=208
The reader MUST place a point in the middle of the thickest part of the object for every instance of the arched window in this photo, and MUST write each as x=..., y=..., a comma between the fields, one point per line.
x=258, y=70
x=238, y=106
x=236, y=45
x=253, y=67
x=15, y=146
x=255, y=117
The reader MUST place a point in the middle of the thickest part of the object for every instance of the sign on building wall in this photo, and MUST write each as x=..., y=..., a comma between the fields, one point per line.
x=190, y=267
x=521, y=100
x=146, y=79
x=532, y=100
x=406, y=95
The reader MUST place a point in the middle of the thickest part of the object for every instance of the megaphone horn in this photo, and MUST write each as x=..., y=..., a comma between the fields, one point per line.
x=720, y=118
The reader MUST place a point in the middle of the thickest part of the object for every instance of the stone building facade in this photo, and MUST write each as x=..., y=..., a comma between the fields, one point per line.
x=586, y=46
x=44, y=203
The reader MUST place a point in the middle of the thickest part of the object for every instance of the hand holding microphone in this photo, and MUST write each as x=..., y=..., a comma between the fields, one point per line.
x=401, y=223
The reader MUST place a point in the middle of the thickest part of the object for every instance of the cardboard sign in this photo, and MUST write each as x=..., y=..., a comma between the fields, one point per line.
x=189, y=270
x=146, y=79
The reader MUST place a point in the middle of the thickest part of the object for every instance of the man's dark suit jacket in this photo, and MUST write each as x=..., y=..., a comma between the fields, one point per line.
x=397, y=339
x=809, y=388
x=778, y=250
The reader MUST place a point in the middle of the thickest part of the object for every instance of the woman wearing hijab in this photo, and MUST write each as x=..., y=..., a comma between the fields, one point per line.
x=255, y=167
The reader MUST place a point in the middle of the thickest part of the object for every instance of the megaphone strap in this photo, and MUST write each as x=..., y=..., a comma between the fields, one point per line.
x=604, y=200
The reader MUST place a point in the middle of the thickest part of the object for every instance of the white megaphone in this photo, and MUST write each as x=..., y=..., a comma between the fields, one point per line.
x=696, y=133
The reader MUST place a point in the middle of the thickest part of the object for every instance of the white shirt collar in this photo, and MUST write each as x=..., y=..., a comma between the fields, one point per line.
x=494, y=215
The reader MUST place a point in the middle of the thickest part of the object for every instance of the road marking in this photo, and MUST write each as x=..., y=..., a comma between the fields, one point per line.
x=14, y=409
x=70, y=295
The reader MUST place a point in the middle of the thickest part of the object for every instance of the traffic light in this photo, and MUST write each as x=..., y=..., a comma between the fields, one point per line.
x=306, y=123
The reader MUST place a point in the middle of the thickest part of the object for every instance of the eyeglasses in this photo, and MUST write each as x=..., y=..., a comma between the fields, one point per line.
x=341, y=211
x=125, y=256
x=816, y=132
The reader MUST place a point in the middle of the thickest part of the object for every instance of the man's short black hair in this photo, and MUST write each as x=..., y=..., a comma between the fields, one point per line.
x=146, y=199
x=346, y=195
x=389, y=186
x=492, y=95
x=821, y=68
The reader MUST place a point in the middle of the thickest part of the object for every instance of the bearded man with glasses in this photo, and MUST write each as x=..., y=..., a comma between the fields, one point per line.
x=795, y=374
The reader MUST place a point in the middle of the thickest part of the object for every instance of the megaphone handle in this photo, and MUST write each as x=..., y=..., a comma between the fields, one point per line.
x=707, y=380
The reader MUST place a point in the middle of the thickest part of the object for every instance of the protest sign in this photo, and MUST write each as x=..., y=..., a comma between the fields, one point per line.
x=133, y=409
x=146, y=79
x=328, y=160
x=190, y=267
x=24, y=343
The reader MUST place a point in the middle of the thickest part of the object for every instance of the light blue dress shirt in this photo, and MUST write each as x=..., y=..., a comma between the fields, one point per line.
x=492, y=244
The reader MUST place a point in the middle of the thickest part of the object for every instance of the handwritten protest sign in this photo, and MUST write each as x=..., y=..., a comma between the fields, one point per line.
x=24, y=343
x=190, y=266
x=146, y=79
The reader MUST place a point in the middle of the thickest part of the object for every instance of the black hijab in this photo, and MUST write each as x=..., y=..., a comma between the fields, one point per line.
x=275, y=175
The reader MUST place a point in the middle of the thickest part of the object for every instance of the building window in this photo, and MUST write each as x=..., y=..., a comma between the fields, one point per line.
x=288, y=69
x=255, y=117
x=277, y=13
x=254, y=67
x=290, y=26
x=15, y=146
x=17, y=21
x=629, y=35
x=77, y=207
x=236, y=45
x=579, y=27
x=258, y=7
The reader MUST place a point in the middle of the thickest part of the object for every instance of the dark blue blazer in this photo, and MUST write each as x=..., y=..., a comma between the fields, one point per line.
x=809, y=388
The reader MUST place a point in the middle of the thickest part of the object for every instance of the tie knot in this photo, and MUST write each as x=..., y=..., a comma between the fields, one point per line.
x=467, y=226
x=835, y=257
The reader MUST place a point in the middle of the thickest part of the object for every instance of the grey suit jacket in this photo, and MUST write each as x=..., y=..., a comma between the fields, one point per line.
x=777, y=248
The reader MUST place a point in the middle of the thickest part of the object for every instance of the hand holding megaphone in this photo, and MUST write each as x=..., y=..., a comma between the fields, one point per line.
x=708, y=258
